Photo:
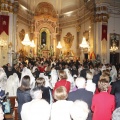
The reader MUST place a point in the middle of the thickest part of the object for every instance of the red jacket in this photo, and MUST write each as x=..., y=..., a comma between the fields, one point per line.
x=64, y=83
x=41, y=69
x=103, y=104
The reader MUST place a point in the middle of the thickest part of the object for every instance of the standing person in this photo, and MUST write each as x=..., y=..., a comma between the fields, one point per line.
x=62, y=81
x=116, y=114
x=23, y=93
x=37, y=109
x=3, y=79
x=116, y=86
x=70, y=78
x=84, y=71
x=61, y=108
x=79, y=110
x=81, y=93
x=1, y=113
x=54, y=76
x=27, y=71
x=103, y=104
x=90, y=86
x=113, y=74
x=40, y=82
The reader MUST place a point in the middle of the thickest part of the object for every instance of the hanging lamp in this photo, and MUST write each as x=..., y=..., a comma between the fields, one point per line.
x=59, y=46
x=26, y=40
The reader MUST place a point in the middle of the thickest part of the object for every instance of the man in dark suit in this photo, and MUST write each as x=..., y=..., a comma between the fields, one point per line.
x=81, y=94
x=116, y=86
x=96, y=77
x=117, y=99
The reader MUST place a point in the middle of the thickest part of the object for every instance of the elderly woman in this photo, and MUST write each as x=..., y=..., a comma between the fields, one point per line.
x=116, y=114
x=79, y=110
x=23, y=93
x=103, y=104
x=61, y=108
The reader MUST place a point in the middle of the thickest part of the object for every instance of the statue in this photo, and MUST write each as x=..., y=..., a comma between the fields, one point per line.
x=68, y=39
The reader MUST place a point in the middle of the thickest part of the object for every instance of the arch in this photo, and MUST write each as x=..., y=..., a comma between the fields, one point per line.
x=51, y=29
x=45, y=8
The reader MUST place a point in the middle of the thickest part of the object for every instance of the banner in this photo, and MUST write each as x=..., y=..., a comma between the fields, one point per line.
x=4, y=24
x=92, y=56
x=104, y=32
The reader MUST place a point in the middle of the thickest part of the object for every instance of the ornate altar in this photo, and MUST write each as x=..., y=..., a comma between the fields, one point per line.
x=45, y=22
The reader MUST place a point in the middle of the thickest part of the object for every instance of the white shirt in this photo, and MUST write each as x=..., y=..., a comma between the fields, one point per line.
x=61, y=110
x=90, y=86
x=37, y=109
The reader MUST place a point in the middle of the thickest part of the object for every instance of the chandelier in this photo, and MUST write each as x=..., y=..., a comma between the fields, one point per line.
x=114, y=47
x=84, y=43
x=26, y=40
x=32, y=44
x=59, y=46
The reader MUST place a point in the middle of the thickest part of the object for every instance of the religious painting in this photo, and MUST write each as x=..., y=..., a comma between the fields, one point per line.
x=114, y=39
x=68, y=39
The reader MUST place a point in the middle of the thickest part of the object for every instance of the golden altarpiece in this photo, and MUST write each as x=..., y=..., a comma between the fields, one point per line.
x=45, y=29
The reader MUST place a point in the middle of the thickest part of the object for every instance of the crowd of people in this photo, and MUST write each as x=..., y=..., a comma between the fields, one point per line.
x=56, y=89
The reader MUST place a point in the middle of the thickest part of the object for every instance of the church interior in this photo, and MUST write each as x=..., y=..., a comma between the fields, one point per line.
x=61, y=38
x=75, y=29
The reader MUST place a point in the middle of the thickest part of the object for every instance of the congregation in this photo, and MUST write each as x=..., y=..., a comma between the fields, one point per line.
x=57, y=89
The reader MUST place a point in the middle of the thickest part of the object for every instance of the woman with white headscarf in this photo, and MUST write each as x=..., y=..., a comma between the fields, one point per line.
x=70, y=79
x=12, y=84
x=54, y=76
x=113, y=74
x=3, y=79
x=25, y=72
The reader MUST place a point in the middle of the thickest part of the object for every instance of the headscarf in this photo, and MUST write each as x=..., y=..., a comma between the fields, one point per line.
x=25, y=72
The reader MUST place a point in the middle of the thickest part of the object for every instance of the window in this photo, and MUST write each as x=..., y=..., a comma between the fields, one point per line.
x=43, y=38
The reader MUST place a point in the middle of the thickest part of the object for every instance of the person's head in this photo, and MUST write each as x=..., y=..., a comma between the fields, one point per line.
x=116, y=114
x=1, y=113
x=36, y=93
x=89, y=76
x=60, y=93
x=79, y=110
x=62, y=75
x=106, y=72
x=80, y=82
x=105, y=77
x=103, y=85
x=40, y=82
x=25, y=82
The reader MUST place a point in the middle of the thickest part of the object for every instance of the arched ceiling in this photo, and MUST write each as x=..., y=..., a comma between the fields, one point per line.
x=60, y=6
